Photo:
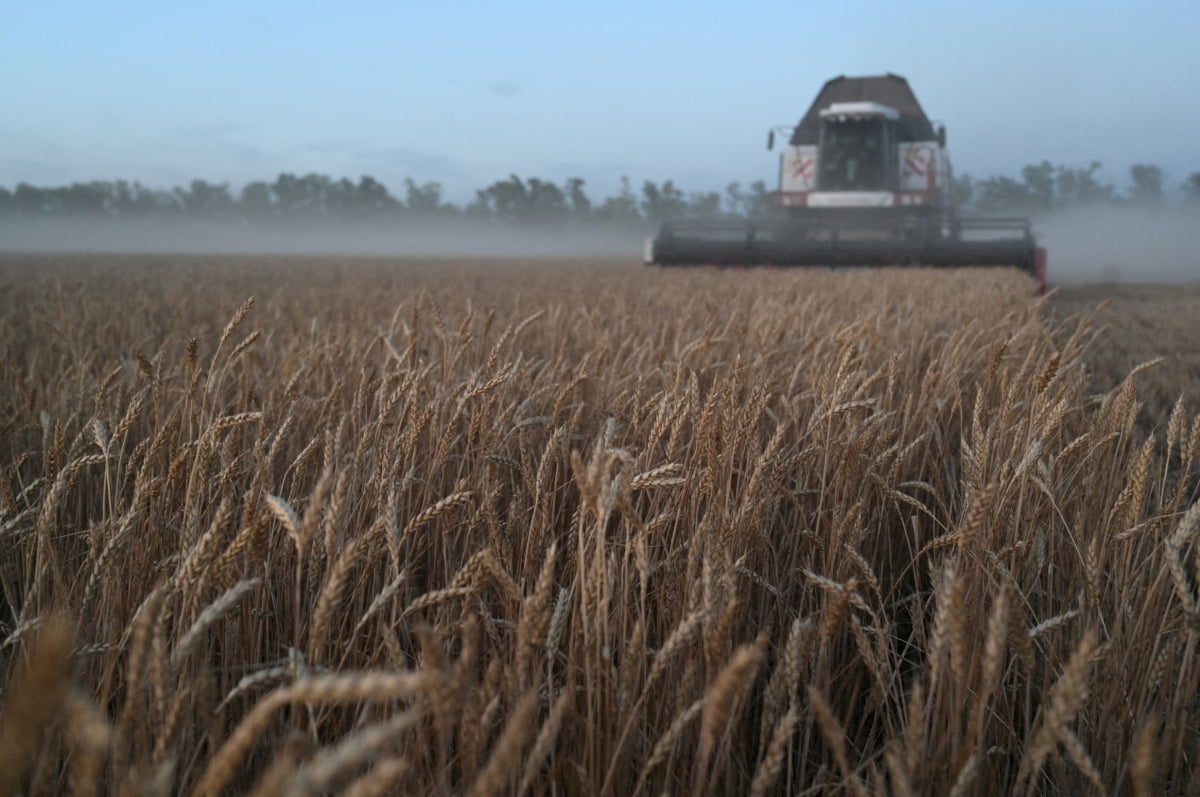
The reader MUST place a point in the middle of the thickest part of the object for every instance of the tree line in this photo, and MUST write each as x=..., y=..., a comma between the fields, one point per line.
x=314, y=196
x=1044, y=187
x=1040, y=188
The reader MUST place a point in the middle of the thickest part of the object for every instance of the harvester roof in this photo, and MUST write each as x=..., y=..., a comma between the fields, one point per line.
x=890, y=90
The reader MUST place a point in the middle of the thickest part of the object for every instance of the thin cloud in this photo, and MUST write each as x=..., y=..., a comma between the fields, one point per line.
x=504, y=88
x=260, y=23
x=409, y=160
x=33, y=170
x=608, y=169
x=219, y=140
x=330, y=146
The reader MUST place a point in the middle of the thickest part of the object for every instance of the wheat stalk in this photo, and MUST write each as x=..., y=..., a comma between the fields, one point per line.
x=213, y=612
x=1065, y=699
x=323, y=690
x=773, y=760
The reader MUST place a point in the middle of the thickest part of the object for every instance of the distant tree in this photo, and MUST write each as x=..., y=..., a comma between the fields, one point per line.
x=1079, y=186
x=424, y=198
x=479, y=208
x=1191, y=187
x=507, y=200
x=662, y=203
x=206, y=200
x=581, y=206
x=704, y=204
x=158, y=203
x=735, y=199
x=286, y=193
x=1002, y=195
x=525, y=202
x=341, y=198
x=302, y=197
x=620, y=209
x=8, y=204
x=31, y=200
x=372, y=197
x=1042, y=187
x=1039, y=186
x=93, y=197
x=962, y=190
x=547, y=202
x=317, y=191
x=759, y=202
x=1147, y=188
x=125, y=198
x=255, y=200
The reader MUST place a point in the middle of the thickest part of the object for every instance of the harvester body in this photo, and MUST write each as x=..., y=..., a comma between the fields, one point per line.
x=865, y=179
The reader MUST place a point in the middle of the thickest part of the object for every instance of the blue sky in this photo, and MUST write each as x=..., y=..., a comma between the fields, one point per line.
x=465, y=93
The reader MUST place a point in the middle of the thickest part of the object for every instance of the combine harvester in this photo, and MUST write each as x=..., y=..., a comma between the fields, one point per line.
x=865, y=180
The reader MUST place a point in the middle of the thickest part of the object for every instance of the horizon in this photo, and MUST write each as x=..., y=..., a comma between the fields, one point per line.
x=1173, y=185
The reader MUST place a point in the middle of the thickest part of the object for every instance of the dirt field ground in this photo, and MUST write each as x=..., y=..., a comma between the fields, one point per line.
x=1138, y=323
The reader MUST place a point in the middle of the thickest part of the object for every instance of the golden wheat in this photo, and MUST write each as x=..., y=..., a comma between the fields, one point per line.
x=580, y=528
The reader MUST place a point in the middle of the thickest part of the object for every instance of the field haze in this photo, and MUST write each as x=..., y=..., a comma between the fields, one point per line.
x=424, y=237
x=1129, y=245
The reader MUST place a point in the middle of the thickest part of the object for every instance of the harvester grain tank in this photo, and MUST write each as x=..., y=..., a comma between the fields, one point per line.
x=864, y=180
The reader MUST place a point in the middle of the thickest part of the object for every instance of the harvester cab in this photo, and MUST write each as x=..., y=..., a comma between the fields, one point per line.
x=858, y=147
x=865, y=179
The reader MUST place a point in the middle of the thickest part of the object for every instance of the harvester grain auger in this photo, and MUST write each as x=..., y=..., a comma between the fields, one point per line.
x=864, y=180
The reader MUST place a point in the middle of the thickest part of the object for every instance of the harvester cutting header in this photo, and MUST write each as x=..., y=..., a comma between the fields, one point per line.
x=864, y=179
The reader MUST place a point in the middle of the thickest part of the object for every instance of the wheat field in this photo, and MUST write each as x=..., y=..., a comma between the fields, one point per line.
x=289, y=526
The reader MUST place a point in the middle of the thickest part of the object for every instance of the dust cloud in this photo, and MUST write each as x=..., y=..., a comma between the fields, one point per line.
x=427, y=238
x=1094, y=245
x=1121, y=245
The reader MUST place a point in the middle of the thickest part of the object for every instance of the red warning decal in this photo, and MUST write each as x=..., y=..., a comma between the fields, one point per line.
x=914, y=163
x=802, y=169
